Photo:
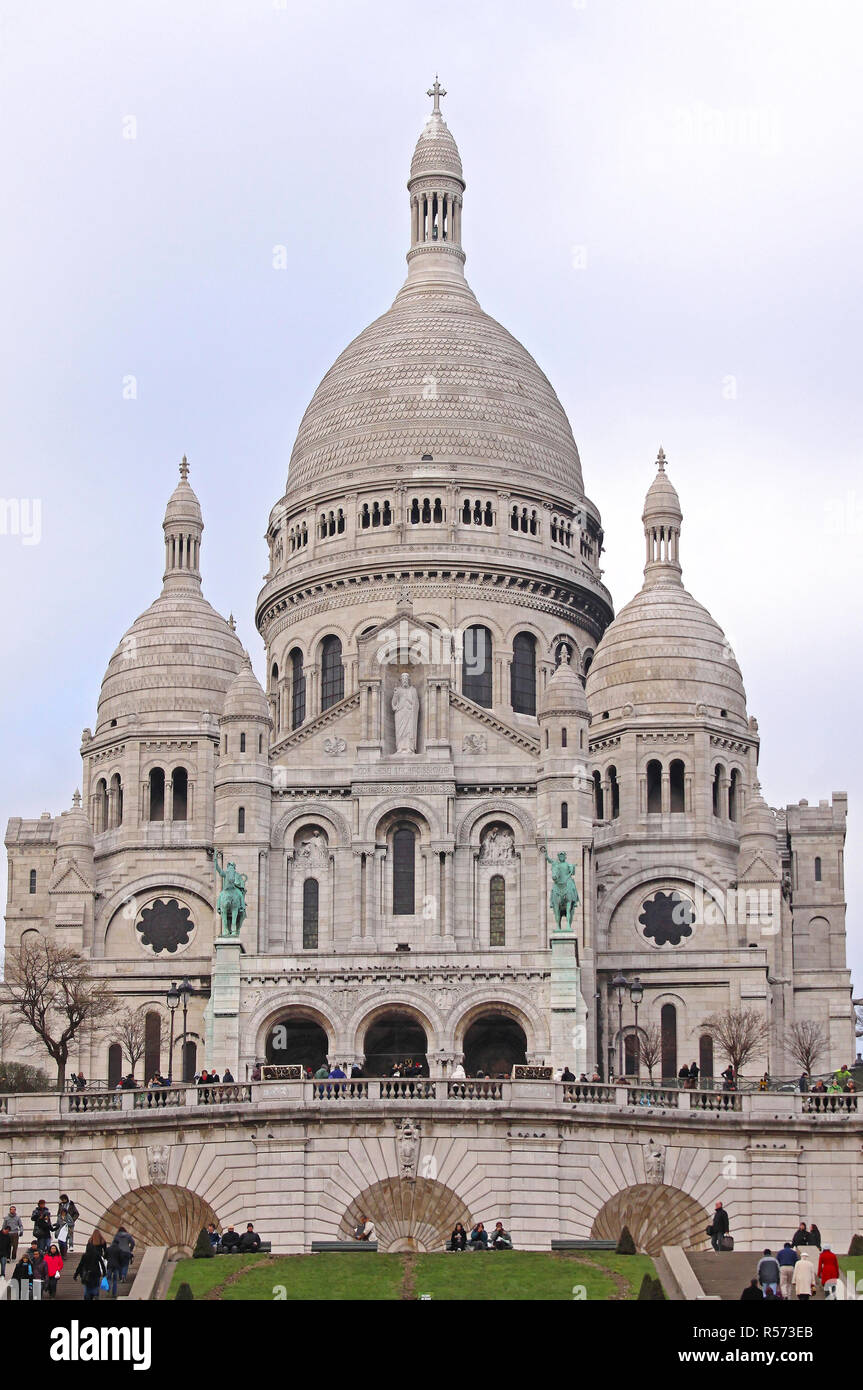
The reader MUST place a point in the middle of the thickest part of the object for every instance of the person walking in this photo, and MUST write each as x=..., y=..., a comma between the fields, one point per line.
x=42, y=1228
x=29, y=1270
x=768, y=1274
x=16, y=1230
x=5, y=1249
x=53, y=1266
x=719, y=1227
x=751, y=1292
x=693, y=1076
x=800, y=1236
x=828, y=1271
x=67, y=1215
x=124, y=1245
x=804, y=1278
x=815, y=1236
x=92, y=1266
x=786, y=1258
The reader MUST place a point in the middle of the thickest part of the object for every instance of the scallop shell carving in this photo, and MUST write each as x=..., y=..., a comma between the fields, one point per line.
x=656, y=1215
x=163, y=1215
x=408, y=1215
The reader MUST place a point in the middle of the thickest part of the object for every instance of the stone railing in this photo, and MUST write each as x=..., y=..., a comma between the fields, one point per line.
x=518, y=1093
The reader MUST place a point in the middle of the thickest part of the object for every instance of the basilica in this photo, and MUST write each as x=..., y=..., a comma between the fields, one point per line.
x=450, y=709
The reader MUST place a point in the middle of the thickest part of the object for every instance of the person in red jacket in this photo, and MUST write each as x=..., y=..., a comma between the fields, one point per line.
x=53, y=1265
x=828, y=1271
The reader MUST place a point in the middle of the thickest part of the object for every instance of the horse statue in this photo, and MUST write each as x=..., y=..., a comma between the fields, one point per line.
x=231, y=902
x=564, y=894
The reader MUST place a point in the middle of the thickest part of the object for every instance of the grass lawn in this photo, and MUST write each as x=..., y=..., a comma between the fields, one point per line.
x=515, y=1275
x=853, y=1263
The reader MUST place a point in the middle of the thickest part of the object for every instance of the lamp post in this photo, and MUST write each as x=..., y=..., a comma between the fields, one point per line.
x=185, y=989
x=621, y=984
x=173, y=1001
x=636, y=994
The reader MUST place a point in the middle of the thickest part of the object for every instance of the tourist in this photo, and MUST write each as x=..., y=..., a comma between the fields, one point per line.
x=336, y=1073
x=479, y=1237
x=250, y=1241
x=30, y=1267
x=768, y=1273
x=803, y=1281
x=16, y=1230
x=227, y=1077
x=786, y=1258
x=79, y=1081
x=356, y=1071
x=92, y=1266
x=814, y=1236
x=365, y=1229
x=53, y=1266
x=764, y=1083
x=819, y=1088
x=458, y=1072
x=719, y=1227
x=5, y=1249
x=729, y=1080
x=458, y=1239
x=42, y=1227
x=500, y=1239
x=213, y=1234
x=230, y=1241
x=752, y=1291
x=321, y=1074
x=842, y=1076
x=800, y=1236
x=67, y=1215
x=125, y=1245
x=693, y=1076
x=567, y=1075
x=683, y=1077
x=256, y=1072
x=803, y=1083
x=596, y=1077
x=828, y=1271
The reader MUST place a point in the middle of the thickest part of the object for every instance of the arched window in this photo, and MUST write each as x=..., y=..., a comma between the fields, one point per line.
x=705, y=1057
x=564, y=816
x=476, y=672
x=241, y=820
x=180, y=798
x=587, y=660
x=677, y=786
x=817, y=869
x=157, y=794
x=717, y=790
x=597, y=797
x=332, y=672
x=523, y=674
x=668, y=1030
x=101, y=805
x=32, y=880
x=497, y=911
x=298, y=689
x=404, y=871
x=733, y=794
x=117, y=795
x=115, y=1066
x=630, y=1054
x=654, y=787
x=311, y=896
x=614, y=788
x=152, y=1044
x=190, y=1060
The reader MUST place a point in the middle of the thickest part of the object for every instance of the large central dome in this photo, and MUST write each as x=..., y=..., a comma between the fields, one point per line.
x=434, y=375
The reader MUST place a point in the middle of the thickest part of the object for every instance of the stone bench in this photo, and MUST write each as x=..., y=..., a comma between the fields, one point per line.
x=265, y=1249
x=343, y=1247
x=584, y=1245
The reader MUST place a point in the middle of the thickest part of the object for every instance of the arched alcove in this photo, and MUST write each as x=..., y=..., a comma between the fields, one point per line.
x=656, y=1215
x=408, y=1215
x=160, y=1214
x=493, y=1044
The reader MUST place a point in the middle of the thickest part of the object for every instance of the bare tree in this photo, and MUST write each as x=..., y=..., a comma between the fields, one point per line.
x=740, y=1033
x=51, y=990
x=858, y=1017
x=129, y=1030
x=10, y=1027
x=807, y=1041
x=650, y=1046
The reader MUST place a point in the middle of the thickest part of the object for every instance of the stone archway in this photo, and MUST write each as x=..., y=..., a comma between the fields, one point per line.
x=656, y=1215
x=159, y=1215
x=408, y=1215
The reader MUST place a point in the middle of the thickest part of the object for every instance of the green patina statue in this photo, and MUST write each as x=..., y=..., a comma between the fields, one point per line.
x=564, y=894
x=231, y=902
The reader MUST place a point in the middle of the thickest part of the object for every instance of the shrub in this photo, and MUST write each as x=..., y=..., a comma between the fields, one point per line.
x=856, y=1246
x=626, y=1245
x=183, y=1292
x=203, y=1249
x=17, y=1076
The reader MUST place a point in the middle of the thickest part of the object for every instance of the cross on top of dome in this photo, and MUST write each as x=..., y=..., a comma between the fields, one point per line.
x=660, y=459
x=436, y=91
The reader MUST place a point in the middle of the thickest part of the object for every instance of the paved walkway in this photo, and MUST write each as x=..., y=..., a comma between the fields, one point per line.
x=727, y=1274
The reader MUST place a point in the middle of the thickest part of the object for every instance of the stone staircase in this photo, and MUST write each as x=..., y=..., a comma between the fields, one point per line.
x=726, y=1275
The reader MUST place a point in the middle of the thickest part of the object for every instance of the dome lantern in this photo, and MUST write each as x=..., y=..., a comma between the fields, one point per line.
x=662, y=519
x=183, y=525
x=436, y=187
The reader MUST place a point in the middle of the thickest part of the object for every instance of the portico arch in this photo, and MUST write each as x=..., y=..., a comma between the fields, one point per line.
x=656, y=1214
x=159, y=1214
x=506, y=1006
x=416, y=1215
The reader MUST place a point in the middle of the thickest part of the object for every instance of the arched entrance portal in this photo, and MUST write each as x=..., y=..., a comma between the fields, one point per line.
x=416, y=1215
x=159, y=1215
x=656, y=1215
x=294, y=1038
x=396, y=1038
x=494, y=1043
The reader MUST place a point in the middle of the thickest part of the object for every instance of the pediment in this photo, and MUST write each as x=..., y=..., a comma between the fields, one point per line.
x=758, y=870
x=67, y=878
x=473, y=718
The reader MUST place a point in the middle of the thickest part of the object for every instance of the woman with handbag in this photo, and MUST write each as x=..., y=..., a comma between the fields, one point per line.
x=92, y=1267
x=53, y=1265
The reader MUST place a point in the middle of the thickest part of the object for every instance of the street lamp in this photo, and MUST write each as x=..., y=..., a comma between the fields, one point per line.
x=636, y=994
x=177, y=992
x=173, y=1002
x=621, y=984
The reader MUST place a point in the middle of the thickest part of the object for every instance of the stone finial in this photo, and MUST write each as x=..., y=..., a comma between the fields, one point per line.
x=436, y=91
x=660, y=459
x=76, y=800
x=184, y=468
x=232, y=624
x=564, y=655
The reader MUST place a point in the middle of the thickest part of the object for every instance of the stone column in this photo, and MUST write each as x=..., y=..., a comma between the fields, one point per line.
x=357, y=903
x=222, y=1015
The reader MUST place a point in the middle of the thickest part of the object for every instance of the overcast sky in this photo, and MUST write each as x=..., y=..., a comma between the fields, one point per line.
x=663, y=203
